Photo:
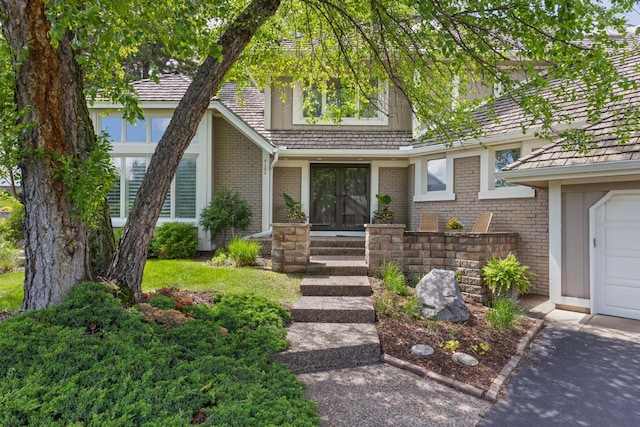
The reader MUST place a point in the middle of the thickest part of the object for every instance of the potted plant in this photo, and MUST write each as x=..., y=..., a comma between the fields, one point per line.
x=507, y=278
x=294, y=210
x=455, y=225
x=383, y=215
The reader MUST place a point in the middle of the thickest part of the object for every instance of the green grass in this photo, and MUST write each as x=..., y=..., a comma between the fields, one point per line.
x=11, y=291
x=187, y=274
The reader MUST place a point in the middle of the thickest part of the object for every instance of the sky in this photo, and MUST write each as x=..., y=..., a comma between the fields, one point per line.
x=633, y=17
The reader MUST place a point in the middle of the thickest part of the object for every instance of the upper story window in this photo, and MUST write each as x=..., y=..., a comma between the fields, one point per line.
x=146, y=131
x=349, y=104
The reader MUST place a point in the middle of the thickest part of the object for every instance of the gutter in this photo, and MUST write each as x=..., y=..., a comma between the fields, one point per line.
x=624, y=167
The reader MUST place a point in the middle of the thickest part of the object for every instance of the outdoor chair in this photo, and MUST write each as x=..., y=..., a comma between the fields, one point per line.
x=483, y=222
x=429, y=221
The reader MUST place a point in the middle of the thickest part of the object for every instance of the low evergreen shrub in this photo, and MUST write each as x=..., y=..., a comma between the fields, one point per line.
x=89, y=362
x=174, y=240
x=243, y=252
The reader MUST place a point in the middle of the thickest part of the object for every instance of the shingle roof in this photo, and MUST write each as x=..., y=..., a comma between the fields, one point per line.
x=170, y=87
x=605, y=144
x=341, y=139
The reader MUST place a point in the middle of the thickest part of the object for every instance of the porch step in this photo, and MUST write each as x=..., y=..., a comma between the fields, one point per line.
x=337, y=251
x=337, y=266
x=336, y=286
x=326, y=346
x=334, y=310
x=336, y=242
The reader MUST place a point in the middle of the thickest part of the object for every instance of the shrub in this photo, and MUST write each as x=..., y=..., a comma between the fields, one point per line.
x=59, y=367
x=162, y=301
x=227, y=211
x=243, y=252
x=393, y=279
x=175, y=240
x=220, y=258
x=503, y=314
x=412, y=308
x=504, y=275
x=12, y=228
x=9, y=257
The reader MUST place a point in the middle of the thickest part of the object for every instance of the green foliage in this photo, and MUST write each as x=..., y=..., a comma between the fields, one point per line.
x=227, y=211
x=480, y=349
x=451, y=345
x=504, y=313
x=175, y=240
x=412, y=308
x=11, y=290
x=12, y=229
x=503, y=275
x=9, y=257
x=220, y=257
x=383, y=212
x=243, y=252
x=393, y=280
x=294, y=209
x=162, y=301
x=89, y=362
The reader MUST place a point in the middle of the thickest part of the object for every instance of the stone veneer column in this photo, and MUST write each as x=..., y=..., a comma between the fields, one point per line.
x=383, y=243
x=290, y=248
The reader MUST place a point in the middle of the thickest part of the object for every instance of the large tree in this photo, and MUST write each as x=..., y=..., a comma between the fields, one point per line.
x=428, y=49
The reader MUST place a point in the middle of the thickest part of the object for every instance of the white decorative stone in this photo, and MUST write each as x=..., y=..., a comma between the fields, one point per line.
x=464, y=359
x=422, y=350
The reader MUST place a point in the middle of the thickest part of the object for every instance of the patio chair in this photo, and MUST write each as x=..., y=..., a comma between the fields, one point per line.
x=482, y=223
x=429, y=221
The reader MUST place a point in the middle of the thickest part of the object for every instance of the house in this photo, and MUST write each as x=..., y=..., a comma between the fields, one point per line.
x=263, y=145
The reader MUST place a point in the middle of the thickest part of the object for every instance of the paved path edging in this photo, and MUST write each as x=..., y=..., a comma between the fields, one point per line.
x=492, y=393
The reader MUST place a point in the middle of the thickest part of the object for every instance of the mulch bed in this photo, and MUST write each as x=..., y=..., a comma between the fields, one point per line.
x=398, y=334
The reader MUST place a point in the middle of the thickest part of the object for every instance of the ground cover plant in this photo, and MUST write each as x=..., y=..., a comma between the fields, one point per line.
x=490, y=335
x=90, y=362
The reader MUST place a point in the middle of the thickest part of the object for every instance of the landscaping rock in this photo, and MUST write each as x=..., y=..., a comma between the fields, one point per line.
x=440, y=297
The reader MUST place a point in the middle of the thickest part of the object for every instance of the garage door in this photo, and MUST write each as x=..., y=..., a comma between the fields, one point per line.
x=616, y=254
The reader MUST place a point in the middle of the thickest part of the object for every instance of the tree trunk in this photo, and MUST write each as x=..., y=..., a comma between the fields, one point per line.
x=129, y=260
x=47, y=85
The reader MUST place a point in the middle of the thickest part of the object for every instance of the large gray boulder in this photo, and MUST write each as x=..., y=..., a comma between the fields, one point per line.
x=440, y=297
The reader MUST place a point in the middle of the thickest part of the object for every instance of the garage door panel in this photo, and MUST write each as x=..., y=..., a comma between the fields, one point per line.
x=617, y=254
x=622, y=238
x=623, y=208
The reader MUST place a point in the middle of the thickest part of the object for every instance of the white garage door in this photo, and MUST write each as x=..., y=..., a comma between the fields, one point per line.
x=616, y=254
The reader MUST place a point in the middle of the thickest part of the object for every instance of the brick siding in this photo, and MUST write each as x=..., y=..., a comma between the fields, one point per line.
x=238, y=165
x=286, y=180
x=393, y=181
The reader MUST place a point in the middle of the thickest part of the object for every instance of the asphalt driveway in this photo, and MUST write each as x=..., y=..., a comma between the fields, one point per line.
x=581, y=371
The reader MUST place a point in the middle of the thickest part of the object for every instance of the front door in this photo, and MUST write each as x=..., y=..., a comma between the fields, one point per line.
x=339, y=197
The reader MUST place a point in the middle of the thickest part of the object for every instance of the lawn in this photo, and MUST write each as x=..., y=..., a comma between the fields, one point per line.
x=187, y=274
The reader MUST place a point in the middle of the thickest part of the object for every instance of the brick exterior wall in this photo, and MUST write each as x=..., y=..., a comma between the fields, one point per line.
x=237, y=164
x=529, y=217
x=286, y=180
x=393, y=181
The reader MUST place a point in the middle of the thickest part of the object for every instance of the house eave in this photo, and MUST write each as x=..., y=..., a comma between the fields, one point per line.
x=327, y=153
x=591, y=172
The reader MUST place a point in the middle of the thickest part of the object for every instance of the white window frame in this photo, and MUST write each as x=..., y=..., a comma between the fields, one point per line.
x=121, y=219
x=487, y=173
x=421, y=176
x=381, y=119
x=148, y=117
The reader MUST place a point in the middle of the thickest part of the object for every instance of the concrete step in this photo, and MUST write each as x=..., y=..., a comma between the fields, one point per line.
x=326, y=346
x=337, y=266
x=336, y=286
x=334, y=310
x=336, y=251
x=339, y=242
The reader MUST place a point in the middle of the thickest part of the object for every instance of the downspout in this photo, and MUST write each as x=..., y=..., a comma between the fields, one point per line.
x=270, y=230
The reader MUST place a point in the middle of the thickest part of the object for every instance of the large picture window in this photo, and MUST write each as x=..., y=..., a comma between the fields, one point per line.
x=180, y=202
x=149, y=130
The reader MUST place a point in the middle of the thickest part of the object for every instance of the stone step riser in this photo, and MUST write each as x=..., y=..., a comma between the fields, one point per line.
x=334, y=291
x=329, y=359
x=338, y=252
x=336, y=270
x=320, y=315
x=314, y=243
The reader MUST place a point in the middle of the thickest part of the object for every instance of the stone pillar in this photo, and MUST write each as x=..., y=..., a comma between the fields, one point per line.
x=290, y=248
x=383, y=243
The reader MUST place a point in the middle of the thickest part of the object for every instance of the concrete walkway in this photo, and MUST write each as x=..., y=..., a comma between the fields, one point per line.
x=581, y=371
